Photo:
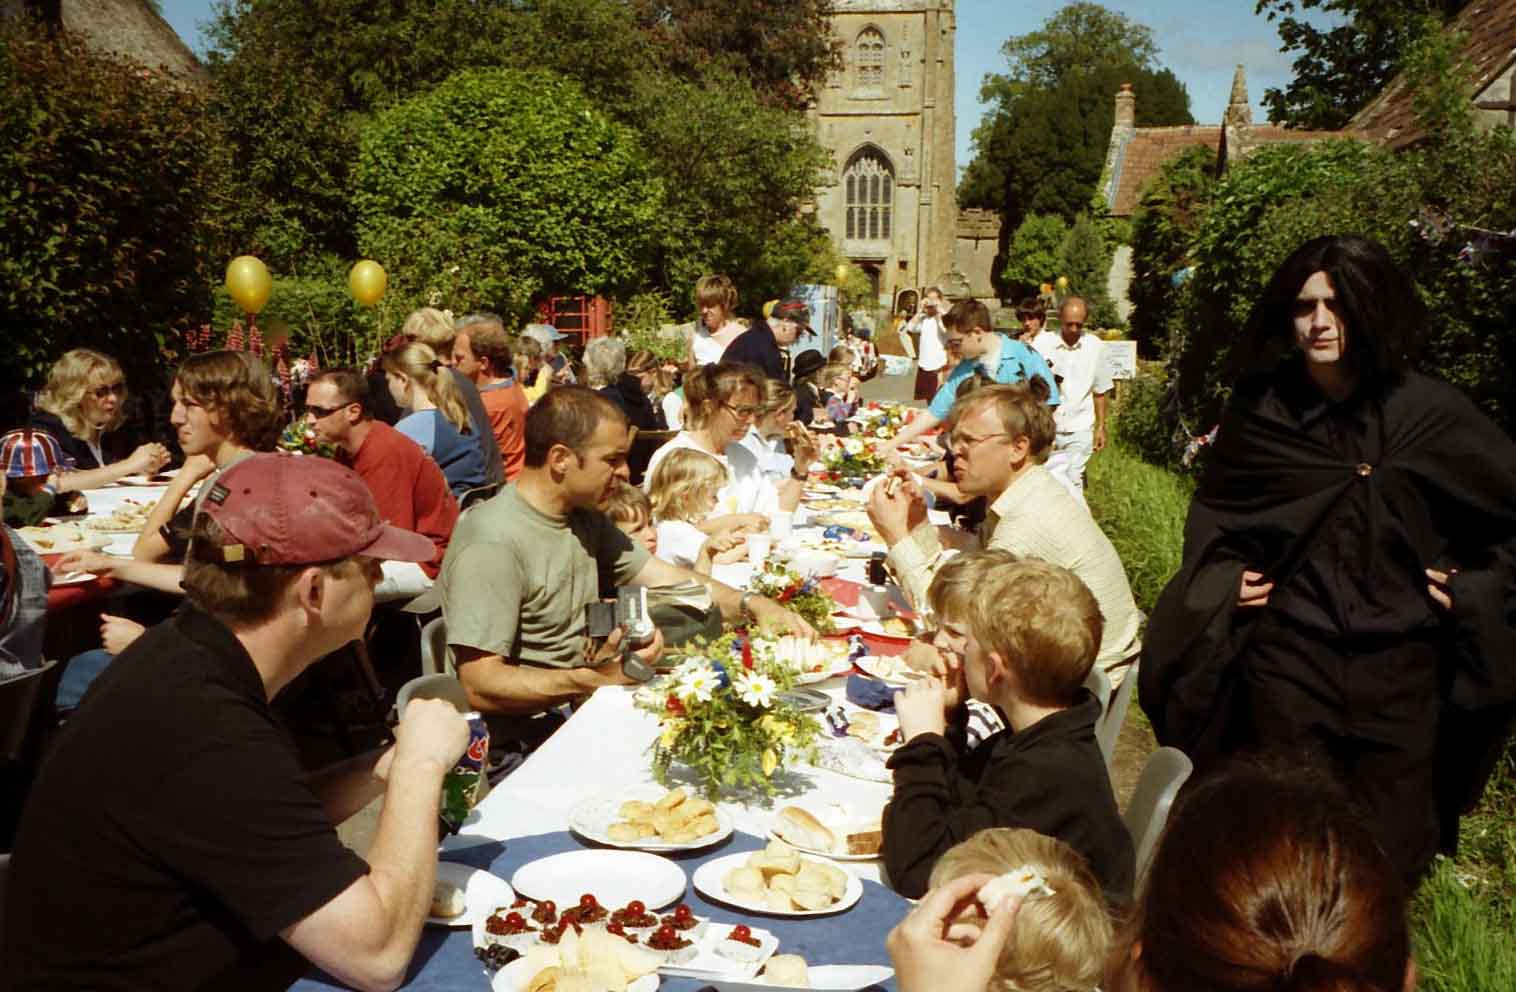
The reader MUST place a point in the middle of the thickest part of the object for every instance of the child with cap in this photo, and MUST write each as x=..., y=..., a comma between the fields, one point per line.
x=32, y=459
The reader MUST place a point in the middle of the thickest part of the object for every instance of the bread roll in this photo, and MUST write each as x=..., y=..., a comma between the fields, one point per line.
x=624, y=833
x=864, y=841
x=636, y=809
x=671, y=799
x=800, y=828
x=787, y=969
x=778, y=902
x=447, y=901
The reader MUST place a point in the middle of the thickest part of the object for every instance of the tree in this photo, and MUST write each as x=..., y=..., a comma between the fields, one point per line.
x=1340, y=69
x=499, y=184
x=1079, y=36
x=1163, y=225
x=1086, y=261
x=1036, y=253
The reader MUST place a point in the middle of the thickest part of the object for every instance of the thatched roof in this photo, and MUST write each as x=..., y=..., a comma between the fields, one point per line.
x=130, y=28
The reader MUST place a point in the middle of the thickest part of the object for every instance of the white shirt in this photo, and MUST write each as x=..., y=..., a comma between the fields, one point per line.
x=932, y=353
x=1082, y=372
x=746, y=490
x=775, y=463
x=706, y=349
x=679, y=542
x=673, y=409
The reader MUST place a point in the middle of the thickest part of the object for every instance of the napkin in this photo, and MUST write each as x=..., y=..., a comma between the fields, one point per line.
x=871, y=694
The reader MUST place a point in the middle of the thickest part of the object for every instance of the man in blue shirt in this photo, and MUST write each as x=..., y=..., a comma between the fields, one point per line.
x=982, y=349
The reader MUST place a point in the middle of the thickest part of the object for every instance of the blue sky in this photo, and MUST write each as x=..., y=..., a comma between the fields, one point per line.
x=1201, y=40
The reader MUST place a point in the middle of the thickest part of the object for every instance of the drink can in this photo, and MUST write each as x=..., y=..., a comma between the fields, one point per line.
x=462, y=786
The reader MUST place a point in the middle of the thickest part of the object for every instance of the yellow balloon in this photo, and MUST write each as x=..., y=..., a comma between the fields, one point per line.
x=1063, y=282
x=368, y=281
x=248, y=281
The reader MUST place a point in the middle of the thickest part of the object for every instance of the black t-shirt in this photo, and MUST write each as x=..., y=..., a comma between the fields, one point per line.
x=170, y=835
x=76, y=448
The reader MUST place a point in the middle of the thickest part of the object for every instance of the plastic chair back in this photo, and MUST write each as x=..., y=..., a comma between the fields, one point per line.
x=433, y=687
x=1108, y=730
x=478, y=495
x=1099, y=683
x=435, y=657
x=1166, y=771
x=22, y=700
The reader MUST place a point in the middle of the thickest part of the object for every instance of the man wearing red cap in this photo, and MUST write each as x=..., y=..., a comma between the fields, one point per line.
x=172, y=840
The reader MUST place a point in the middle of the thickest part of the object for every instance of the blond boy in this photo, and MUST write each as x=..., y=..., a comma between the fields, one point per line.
x=1023, y=642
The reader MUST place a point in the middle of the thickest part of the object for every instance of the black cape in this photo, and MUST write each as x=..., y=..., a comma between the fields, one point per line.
x=1443, y=486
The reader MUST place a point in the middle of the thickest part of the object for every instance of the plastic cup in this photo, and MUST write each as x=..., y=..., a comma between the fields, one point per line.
x=781, y=524
x=758, y=547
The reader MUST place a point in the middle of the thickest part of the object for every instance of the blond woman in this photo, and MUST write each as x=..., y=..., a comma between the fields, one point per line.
x=435, y=414
x=84, y=399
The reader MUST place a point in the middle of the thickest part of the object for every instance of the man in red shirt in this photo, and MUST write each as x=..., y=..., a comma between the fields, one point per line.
x=408, y=486
x=482, y=352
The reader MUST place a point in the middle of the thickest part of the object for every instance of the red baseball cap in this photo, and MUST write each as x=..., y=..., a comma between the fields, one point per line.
x=285, y=509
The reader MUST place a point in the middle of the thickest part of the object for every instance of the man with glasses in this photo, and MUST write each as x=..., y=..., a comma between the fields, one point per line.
x=407, y=484
x=1000, y=434
x=1078, y=361
x=981, y=350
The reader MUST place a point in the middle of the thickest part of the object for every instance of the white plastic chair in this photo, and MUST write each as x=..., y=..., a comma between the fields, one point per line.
x=433, y=687
x=435, y=658
x=1099, y=683
x=1108, y=730
x=1166, y=771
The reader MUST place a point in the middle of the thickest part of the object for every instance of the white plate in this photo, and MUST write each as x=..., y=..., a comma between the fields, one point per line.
x=709, y=963
x=614, y=877
x=836, y=818
x=593, y=817
x=708, y=883
x=883, y=669
x=73, y=578
x=839, y=977
x=514, y=978
x=483, y=893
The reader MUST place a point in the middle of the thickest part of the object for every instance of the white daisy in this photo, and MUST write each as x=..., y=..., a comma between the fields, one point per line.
x=756, y=690
x=697, y=686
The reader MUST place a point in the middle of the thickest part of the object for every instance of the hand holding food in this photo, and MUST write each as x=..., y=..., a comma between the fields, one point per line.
x=927, y=944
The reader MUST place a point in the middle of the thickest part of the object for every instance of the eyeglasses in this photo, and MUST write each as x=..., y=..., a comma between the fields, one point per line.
x=744, y=412
x=321, y=412
x=963, y=442
x=111, y=389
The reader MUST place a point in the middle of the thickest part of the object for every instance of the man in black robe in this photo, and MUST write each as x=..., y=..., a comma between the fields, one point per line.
x=1348, y=589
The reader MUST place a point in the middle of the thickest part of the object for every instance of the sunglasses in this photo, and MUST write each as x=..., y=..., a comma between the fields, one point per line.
x=113, y=389
x=320, y=412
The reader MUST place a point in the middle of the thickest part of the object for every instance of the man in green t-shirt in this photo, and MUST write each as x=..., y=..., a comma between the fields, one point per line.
x=522, y=568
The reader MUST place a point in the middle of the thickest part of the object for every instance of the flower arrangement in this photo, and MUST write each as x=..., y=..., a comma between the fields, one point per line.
x=852, y=458
x=802, y=594
x=725, y=718
x=300, y=438
x=884, y=420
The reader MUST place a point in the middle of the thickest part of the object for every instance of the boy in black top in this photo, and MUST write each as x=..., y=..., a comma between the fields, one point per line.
x=1022, y=637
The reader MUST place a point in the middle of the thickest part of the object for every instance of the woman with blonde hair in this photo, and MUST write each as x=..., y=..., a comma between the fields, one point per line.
x=775, y=431
x=84, y=399
x=436, y=416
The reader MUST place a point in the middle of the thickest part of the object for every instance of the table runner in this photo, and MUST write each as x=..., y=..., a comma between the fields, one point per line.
x=445, y=959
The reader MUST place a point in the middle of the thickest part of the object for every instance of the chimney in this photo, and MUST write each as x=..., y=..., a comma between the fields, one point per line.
x=1126, y=107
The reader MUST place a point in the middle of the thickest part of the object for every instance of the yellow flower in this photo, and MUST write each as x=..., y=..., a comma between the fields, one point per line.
x=670, y=733
x=770, y=761
x=778, y=728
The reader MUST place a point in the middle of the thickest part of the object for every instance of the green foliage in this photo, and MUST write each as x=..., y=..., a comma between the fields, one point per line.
x=1142, y=509
x=1078, y=36
x=499, y=184
x=105, y=173
x=645, y=322
x=1035, y=253
x=1340, y=68
x=1164, y=223
x=1144, y=420
x=1441, y=80
x=1086, y=261
x=322, y=317
x=1462, y=934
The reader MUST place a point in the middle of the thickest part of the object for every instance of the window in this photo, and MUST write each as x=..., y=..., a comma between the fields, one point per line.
x=870, y=185
x=869, y=61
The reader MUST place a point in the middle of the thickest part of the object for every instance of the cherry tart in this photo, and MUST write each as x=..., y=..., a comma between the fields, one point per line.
x=740, y=944
x=672, y=946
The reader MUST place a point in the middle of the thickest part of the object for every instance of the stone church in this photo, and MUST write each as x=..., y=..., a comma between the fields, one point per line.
x=887, y=118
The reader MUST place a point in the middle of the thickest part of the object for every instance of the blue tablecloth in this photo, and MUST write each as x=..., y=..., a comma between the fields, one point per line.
x=445, y=958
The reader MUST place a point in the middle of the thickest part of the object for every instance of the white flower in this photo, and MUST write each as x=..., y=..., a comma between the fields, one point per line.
x=756, y=690
x=882, y=432
x=697, y=686
x=852, y=445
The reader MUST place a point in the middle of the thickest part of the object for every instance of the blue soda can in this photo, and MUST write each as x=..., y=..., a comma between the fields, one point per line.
x=462, y=786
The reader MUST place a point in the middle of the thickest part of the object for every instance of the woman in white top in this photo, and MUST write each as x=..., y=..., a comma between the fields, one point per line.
x=766, y=438
x=716, y=299
x=721, y=403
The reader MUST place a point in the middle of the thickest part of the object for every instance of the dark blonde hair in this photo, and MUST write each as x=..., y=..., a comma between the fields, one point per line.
x=681, y=478
x=1059, y=942
x=1021, y=408
x=72, y=378
x=777, y=394
x=710, y=385
x=420, y=364
x=1043, y=622
x=955, y=586
x=432, y=328
x=487, y=339
x=238, y=388
x=628, y=505
x=716, y=290
x=1268, y=878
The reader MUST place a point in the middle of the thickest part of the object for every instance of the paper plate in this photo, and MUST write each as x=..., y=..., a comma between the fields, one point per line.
x=515, y=976
x=614, y=877
x=593, y=817
x=891, y=670
x=838, y=977
x=835, y=817
x=483, y=893
x=708, y=883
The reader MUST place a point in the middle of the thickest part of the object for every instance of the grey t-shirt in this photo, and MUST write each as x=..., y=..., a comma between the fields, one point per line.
x=515, y=581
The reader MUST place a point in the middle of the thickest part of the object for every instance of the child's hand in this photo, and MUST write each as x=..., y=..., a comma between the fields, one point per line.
x=922, y=708
x=725, y=548
x=929, y=943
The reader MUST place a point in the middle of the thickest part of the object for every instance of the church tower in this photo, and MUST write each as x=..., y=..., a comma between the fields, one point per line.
x=890, y=201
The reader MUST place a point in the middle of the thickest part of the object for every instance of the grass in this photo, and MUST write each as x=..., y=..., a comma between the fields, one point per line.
x=1464, y=915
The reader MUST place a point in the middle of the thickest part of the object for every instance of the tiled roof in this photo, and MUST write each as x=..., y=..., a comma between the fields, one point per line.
x=1490, y=49
x=1144, y=153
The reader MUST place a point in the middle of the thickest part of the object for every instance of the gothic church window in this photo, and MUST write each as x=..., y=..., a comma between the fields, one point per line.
x=869, y=182
x=868, y=60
